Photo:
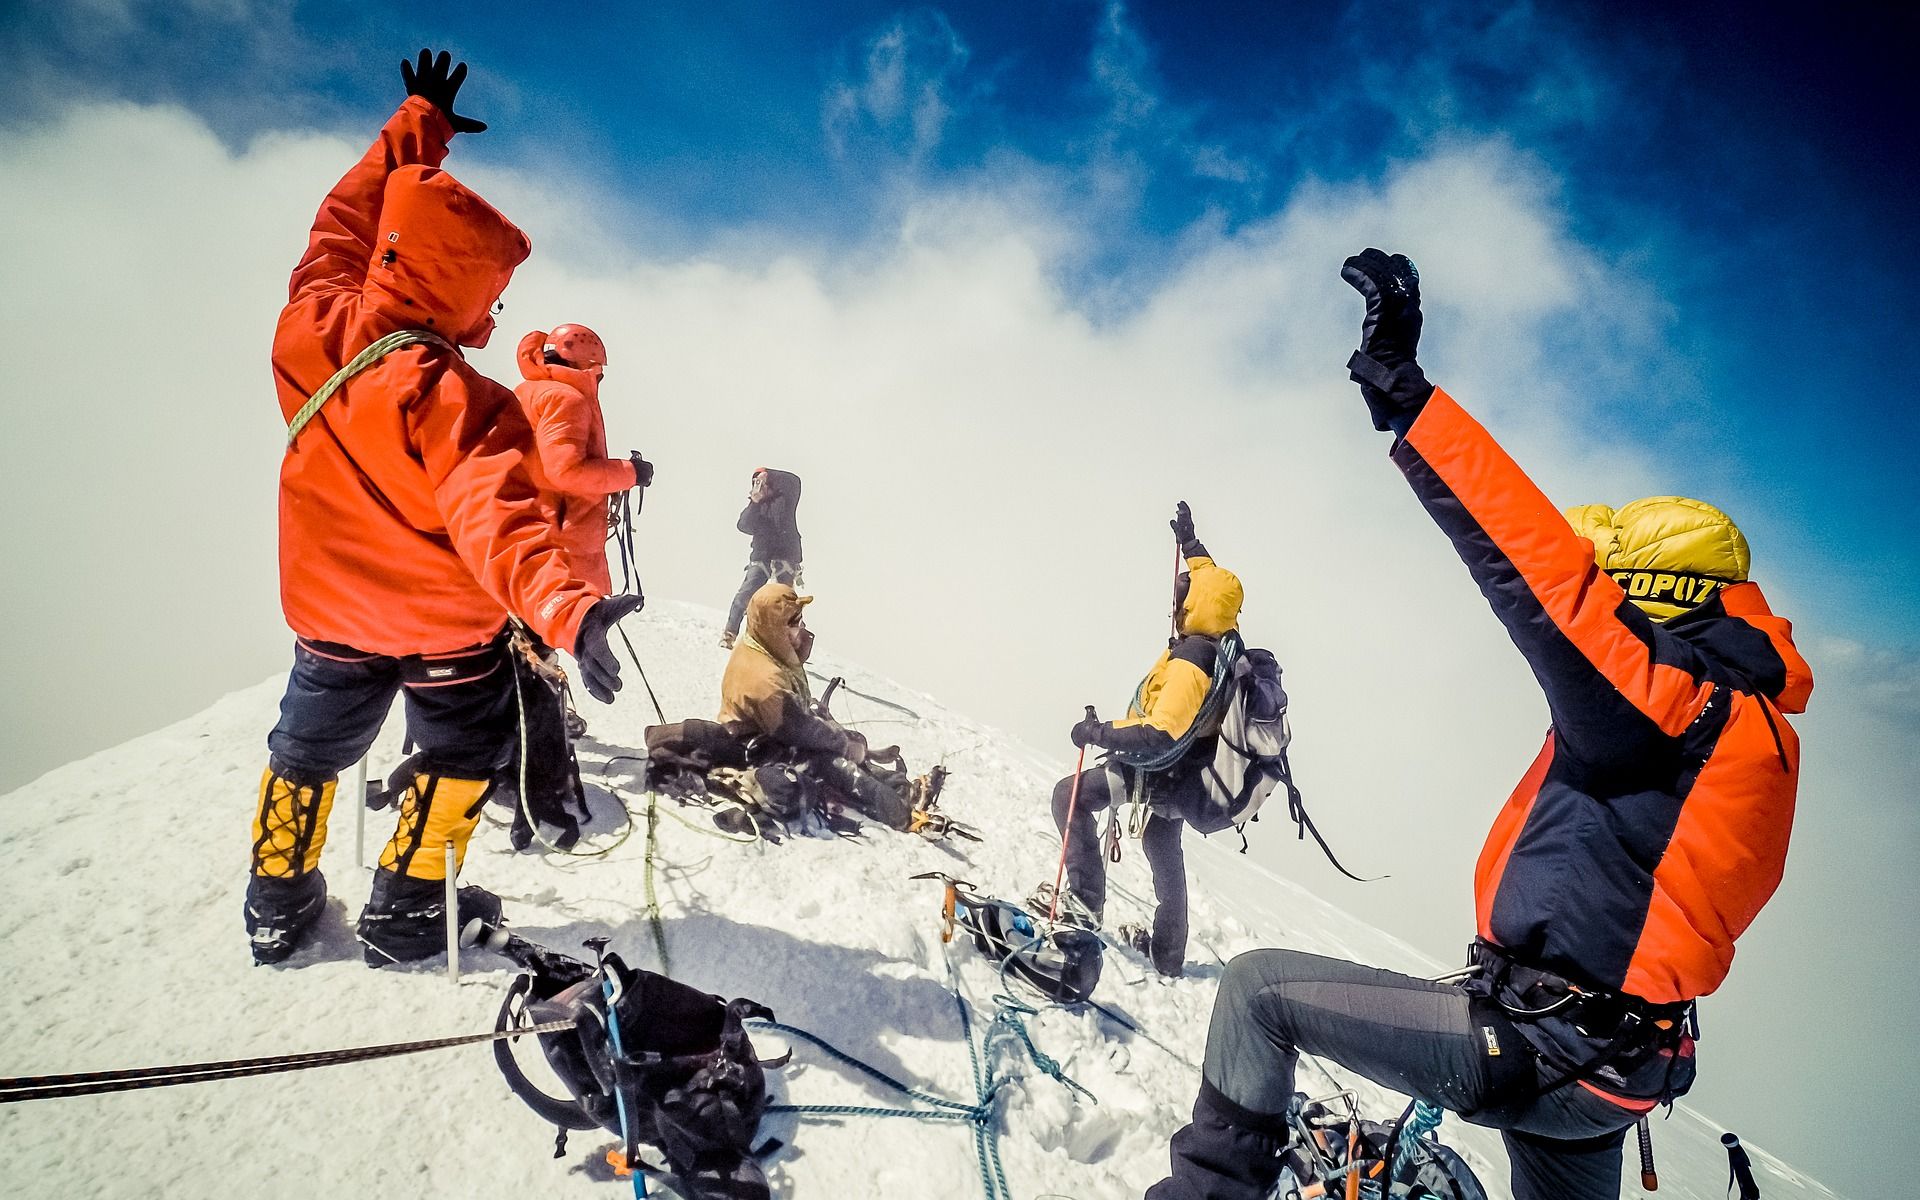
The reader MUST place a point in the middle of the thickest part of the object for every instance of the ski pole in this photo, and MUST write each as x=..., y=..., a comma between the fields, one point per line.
x=1066, y=834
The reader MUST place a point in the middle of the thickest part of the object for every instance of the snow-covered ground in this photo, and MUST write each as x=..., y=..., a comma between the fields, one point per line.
x=120, y=891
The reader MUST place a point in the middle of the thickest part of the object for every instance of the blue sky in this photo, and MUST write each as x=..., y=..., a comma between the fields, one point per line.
x=1736, y=189
x=1755, y=170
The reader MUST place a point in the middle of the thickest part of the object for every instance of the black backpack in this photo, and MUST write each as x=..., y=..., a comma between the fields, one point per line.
x=649, y=1059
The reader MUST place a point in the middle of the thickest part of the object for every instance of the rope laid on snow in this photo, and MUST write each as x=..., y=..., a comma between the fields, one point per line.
x=95, y=1083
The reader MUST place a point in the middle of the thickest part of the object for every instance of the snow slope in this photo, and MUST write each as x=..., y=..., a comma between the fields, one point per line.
x=120, y=891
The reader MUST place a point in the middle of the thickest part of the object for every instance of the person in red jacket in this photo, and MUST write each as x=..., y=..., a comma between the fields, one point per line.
x=1641, y=843
x=560, y=394
x=409, y=529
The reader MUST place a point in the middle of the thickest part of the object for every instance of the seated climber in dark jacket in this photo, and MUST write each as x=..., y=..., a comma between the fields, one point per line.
x=1644, y=839
x=764, y=695
x=771, y=518
x=1164, y=709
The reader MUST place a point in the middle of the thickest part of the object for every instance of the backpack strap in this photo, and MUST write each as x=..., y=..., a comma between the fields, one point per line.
x=358, y=363
x=564, y=1113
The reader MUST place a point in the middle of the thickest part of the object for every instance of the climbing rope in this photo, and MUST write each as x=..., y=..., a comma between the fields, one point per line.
x=95, y=1083
x=358, y=363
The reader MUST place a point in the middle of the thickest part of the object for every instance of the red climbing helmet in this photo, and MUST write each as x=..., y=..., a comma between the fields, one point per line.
x=577, y=346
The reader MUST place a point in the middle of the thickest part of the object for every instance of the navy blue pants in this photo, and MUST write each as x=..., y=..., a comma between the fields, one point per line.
x=758, y=575
x=1100, y=787
x=460, y=709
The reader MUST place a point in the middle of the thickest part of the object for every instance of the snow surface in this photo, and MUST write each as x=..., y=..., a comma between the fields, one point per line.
x=120, y=891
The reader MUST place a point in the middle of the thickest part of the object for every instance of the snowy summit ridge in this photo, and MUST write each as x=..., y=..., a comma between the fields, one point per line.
x=121, y=879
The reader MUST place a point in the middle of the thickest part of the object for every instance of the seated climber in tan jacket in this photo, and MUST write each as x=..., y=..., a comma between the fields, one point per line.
x=764, y=694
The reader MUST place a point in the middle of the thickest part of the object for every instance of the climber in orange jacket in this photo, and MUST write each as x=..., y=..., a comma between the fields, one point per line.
x=560, y=393
x=410, y=528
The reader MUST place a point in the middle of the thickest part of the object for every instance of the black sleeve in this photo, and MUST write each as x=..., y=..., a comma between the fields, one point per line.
x=804, y=731
x=750, y=519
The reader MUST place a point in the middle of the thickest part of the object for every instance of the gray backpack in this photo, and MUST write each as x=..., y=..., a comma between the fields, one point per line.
x=1250, y=759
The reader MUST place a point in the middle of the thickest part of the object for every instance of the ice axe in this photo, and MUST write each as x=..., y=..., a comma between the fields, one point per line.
x=1066, y=835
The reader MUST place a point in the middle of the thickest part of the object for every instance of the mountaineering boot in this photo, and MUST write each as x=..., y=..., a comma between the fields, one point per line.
x=286, y=890
x=726, y=639
x=1225, y=1153
x=406, y=919
x=1138, y=937
x=406, y=913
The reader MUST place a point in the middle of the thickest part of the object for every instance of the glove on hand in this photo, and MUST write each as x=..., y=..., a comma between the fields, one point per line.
x=1183, y=532
x=642, y=470
x=432, y=81
x=1390, y=380
x=599, y=669
x=1089, y=732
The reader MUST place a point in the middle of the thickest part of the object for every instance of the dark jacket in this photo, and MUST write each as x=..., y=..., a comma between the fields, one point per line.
x=772, y=522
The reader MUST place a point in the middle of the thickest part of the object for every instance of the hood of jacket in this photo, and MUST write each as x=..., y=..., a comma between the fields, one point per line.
x=531, y=355
x=441, y=257
x=1214, y=597
x=1736, y=629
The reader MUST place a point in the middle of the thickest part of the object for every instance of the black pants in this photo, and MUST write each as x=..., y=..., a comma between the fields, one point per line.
x=758, y=575
x=857, y=787
x=552, y=772
x=1425, y=1039
x=1087, y=864
x=460, y=708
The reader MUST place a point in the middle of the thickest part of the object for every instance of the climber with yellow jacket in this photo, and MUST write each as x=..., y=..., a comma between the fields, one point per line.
x=765, y=701
x=1164, y=709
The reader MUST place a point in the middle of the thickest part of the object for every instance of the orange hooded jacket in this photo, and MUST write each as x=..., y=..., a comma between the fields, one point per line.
x=571, y=467
x=409, y=523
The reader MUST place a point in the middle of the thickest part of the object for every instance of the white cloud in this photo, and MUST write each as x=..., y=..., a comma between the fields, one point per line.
x=989, y=469
x=902, y=94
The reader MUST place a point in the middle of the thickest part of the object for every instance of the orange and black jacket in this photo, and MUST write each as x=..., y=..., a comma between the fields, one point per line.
x=1653, y=825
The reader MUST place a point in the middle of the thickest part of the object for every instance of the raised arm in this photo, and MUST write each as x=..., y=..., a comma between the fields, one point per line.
x=1611, y=675
x=340, y=247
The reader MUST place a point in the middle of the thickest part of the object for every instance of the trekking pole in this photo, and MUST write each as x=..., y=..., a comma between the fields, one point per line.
x=453, y=921
x=359, y=794
x=1739, y=1168
x=1174, y=616
x=1066, y=835
x=1649, y=1178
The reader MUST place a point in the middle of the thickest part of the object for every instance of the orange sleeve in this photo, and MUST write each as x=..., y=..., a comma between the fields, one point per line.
x=471, y=436
x=562, y=425
x=340, y=247
x=1606, y=667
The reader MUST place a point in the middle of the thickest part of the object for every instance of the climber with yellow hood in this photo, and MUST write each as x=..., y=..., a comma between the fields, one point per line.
x=1164, y=709
x=764, y=700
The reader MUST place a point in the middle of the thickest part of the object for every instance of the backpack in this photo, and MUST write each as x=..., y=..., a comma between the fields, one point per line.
x=1250, y=758
x=649, y=1059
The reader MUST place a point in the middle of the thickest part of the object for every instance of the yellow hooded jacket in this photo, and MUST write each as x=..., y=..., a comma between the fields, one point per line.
x=1169, y=699
x=764, y=689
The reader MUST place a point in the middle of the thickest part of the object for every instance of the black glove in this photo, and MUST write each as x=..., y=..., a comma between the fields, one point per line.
x=1390, y=380
x=642, y=470
x=599, y=669
x=1183, y=533
x=1090, y=731
x=432, y=81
